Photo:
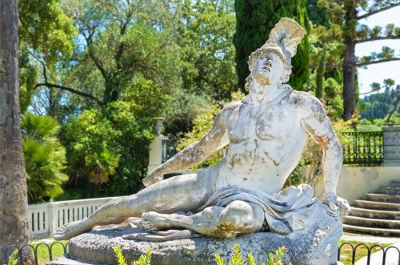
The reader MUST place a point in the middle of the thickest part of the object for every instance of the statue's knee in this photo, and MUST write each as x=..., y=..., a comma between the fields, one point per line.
x=237, y=215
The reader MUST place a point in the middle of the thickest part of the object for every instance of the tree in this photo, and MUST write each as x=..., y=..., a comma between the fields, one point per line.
x=207, y=50
x=318, y=16
x=44, y=157
x=121, y=40
x=107, y=150
x=14, y=225
x=46, y=37
x=381, y=105
x=347, y=14
x=254, y=21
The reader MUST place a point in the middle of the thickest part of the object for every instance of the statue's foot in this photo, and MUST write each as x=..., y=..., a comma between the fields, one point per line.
x=163, y=235
x=148, y=227
x=155, y=221
x=69, y=230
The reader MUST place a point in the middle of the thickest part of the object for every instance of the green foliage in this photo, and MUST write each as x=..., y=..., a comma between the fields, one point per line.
x=254, y=21
x=318, y=16
x=45, y=32
x=28, y=77
x=319, y=92
x=111, y=146
x=120, y=257
x=181, y=112
x=45, y=29
x=236, y=257
x=326, y=81
x=379, y=105
x=13, y=259
x=46, y=43
x=365, y=125
x=44, y=157
x=143, y=260
x=123, y=41
x=207, y=49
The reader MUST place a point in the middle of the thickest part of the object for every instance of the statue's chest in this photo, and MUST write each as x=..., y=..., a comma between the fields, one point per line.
x=271, y=122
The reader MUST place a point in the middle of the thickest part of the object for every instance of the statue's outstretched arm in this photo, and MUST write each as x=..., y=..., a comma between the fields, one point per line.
x=317, y=124
x=195, y=153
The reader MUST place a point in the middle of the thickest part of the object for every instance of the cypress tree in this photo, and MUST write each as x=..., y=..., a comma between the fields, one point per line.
x=319, y=93
x=254, y=21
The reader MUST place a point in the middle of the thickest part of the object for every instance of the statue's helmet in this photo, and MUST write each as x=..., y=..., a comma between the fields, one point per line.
x=283, y=40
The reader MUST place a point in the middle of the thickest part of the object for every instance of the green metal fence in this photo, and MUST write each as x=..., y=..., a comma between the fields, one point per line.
x=168, y=149
x=363, y=148
x=39, y=259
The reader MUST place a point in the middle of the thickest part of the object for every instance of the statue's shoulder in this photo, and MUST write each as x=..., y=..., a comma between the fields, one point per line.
x=227, y=110
x=233, y=105
x=306, y=103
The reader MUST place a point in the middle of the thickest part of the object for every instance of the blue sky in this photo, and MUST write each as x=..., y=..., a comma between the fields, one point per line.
x=379, y=72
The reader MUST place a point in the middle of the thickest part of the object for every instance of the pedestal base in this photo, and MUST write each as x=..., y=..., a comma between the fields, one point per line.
x=315, y=245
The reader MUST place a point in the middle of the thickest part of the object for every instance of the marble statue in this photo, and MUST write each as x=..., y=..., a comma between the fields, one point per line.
x=266, y=133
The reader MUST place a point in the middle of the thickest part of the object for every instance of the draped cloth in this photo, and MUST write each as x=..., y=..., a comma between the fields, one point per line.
x=284, y=212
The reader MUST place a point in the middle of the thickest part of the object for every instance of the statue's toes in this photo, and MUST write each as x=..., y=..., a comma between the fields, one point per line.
x=61, y=233
x=148, y=226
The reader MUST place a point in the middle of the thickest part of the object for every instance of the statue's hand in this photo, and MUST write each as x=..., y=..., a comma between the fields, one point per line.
x=152, y=178
x=336, y=203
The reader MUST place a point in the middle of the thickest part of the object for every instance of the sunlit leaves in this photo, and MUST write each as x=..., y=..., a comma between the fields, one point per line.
x=207, y=50
x=45, y=29
x=44, y=157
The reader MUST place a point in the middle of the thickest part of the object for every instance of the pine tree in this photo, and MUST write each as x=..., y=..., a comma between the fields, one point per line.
x=347, y=15
x=254, y=21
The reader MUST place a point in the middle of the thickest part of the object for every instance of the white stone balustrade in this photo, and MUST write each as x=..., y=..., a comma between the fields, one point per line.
x=45, y=218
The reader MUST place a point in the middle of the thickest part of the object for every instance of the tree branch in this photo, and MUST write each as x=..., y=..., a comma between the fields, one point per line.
x=124, y=25
x=96, y=60
x=377, y=11
x=80, y=93
x=396, y=104
x=378, y=61
x=379, y=38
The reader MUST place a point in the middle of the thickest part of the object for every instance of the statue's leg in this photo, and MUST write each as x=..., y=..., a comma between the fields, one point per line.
x=179, y=193
x=238, y=217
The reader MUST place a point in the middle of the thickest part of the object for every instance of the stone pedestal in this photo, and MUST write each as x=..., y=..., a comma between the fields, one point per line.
x=155, y=155
x=391, y=146
x=314, y=245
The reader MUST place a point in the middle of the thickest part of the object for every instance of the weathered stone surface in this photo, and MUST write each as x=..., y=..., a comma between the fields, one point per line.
x=317, y=244
x=391, y=148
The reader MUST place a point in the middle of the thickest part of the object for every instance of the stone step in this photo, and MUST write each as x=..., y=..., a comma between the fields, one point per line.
x=376, y=214
x=393, y=190
x=395, y=182
x=390, y=206
x=370, y=222
x=383, y=197
x=371, y=230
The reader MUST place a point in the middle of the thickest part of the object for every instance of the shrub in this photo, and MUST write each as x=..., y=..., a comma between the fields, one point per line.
x=237, y=257
x=143, y=260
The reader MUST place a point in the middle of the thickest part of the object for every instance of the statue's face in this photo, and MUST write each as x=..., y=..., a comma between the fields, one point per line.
x=268, y=69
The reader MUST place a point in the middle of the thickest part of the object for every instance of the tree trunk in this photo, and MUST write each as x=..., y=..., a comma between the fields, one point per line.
x=349, y=68
x=396, y=104
x=14, y=225
x=349, y=95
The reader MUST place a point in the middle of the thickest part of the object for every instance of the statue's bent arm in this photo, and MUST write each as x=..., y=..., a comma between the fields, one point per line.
x=194, y=154
x=317, y=124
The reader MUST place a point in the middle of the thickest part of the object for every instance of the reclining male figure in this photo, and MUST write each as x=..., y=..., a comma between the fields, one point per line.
x=266, y=133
